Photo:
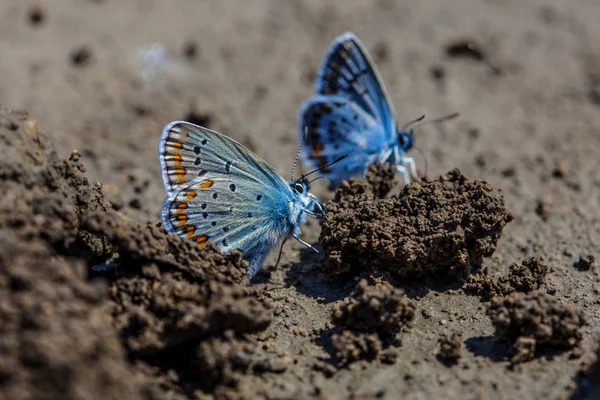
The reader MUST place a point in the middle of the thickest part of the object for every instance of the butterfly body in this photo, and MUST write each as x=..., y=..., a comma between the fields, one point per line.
x=352, y=114
x=218, y=191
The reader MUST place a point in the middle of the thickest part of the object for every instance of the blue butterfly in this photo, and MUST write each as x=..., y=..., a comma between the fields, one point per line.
x=218, y=191
x=352, y=114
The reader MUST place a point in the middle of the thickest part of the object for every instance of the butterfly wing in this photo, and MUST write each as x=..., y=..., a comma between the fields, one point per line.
x=337, y=126
x=348, y=71
x=187, y=151
x=219, y=191
x=208, y=210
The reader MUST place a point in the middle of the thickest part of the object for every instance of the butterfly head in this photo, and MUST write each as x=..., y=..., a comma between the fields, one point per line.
x=309, y=202
x=300, y=187
x=406, y=139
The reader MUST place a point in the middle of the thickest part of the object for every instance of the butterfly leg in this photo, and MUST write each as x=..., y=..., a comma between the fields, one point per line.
x=306, y=244
x=280, y=252
x=312, y=214
x=411, y=165
x=404, y=171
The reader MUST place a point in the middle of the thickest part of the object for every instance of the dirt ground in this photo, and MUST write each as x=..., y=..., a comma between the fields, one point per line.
x=175, y=321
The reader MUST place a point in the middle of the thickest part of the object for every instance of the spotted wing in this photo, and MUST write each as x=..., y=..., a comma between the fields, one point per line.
x=219, y=191
x=337, y=127
x=187, y=151
x=233, y=214
x=349, y=72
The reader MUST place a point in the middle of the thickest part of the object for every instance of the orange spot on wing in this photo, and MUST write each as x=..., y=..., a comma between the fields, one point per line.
x=177, y=145
x=177, y=159
x=206, y=184
x=191, y=194
x=201, y=240
x=317, y=149
x=181, y=219
x=190, y=229
x=180, y=173
x=181, y=207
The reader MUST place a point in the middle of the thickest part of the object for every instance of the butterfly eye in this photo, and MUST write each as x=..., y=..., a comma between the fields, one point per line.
x=401, y=140
x=298, y=187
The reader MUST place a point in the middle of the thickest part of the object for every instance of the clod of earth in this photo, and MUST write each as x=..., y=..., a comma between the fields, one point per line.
x=450, y=348
x=585, y=263
x=175, y=303
x=369, y=319
x=433, y=227
x=526, y=277
x=353, y=346
x=379, y=308
x=173, y=308
x=56, y=338
x=535, y=321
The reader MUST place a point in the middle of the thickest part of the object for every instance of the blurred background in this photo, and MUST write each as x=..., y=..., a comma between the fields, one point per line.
x=104, y=77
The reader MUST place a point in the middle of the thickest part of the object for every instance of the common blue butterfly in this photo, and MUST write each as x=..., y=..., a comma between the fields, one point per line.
x=218, y=191
x=352, y=114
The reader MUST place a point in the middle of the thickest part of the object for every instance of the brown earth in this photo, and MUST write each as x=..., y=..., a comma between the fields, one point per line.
x=178, y=321
x=450, y=348
x=522, y=277
x=439, y=227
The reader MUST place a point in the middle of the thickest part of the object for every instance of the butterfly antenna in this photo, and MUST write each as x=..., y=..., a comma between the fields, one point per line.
x=298, y=155
x=326, y=166
x=442, y=119
x=419, y=121
x=414, y=121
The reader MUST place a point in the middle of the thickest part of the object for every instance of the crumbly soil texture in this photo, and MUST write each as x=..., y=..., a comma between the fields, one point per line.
x=478, y=280
x=369, y=320
x=433, y=227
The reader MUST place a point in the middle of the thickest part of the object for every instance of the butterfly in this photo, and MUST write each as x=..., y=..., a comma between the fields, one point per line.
x=352, y=114
x=219, y=191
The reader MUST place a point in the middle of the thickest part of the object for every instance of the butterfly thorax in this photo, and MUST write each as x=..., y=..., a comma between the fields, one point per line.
x=302, y=203
x=406, y=139
x=404, y=142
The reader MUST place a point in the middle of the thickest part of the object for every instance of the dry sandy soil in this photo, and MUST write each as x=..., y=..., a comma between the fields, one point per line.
x=175, y=321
